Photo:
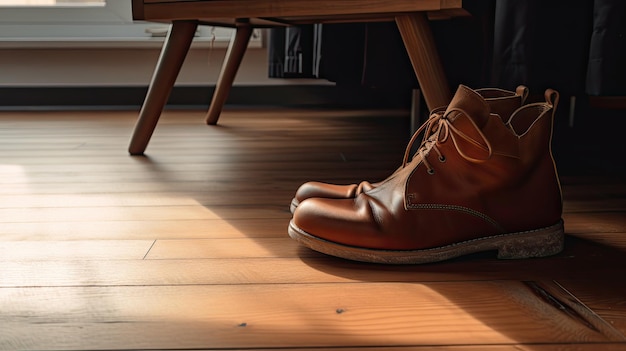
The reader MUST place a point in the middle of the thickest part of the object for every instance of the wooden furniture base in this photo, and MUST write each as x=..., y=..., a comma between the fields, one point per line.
x=411, y=17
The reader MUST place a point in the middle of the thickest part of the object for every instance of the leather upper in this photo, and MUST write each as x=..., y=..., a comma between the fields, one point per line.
x=476, y=176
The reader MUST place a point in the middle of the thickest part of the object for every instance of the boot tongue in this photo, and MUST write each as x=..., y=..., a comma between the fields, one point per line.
x=472, y=103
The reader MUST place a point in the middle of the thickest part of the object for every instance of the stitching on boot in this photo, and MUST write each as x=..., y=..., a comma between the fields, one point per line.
x=466, y=210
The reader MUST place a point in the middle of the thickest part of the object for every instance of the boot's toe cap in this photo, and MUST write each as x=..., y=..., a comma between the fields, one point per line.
x=324, y=190
x=343, y=221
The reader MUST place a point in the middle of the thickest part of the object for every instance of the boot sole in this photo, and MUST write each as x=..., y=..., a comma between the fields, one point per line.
x=541, y=242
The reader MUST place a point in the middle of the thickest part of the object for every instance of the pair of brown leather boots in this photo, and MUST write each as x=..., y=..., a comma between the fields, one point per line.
x=483, y=178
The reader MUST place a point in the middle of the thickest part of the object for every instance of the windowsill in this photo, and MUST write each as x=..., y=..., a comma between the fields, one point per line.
x=109, y=26
x=110, y=43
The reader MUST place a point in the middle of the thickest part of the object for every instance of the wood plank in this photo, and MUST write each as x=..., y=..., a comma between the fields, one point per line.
x=171, y=146
x=227, y=248
x=250, y=117
x=187, y=188
x=74, y=250
x=225, y=176
x=219, y=198
x=274, y=156
x=304, y=315
x=140, y=213
x=140, y=230
x=306, y=266
x=511, y=347
x=595, y=222
x=272, y=159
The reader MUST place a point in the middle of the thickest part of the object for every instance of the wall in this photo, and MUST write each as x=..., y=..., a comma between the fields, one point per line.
x=79, y=76
x=124, y=67
x=69, y=75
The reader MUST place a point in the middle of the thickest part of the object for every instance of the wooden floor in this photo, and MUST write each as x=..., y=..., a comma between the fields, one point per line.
x=187, y=248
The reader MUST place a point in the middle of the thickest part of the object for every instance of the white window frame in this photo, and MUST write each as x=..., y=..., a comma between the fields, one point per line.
x=110, y=25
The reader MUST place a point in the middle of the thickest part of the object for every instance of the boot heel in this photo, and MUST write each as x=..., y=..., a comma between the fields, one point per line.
x=537, y=243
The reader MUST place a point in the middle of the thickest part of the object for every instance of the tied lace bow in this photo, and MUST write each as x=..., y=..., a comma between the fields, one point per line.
x=437, y=129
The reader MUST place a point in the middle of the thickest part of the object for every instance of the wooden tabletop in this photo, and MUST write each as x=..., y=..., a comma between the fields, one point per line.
x=277, y=12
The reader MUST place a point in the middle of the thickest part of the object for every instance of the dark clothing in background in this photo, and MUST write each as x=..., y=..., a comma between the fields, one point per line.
x=575, y=47
x=606, y=69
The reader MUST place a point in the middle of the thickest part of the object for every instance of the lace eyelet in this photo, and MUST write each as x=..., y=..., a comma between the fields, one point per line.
x=442, y=159
x=430, y=171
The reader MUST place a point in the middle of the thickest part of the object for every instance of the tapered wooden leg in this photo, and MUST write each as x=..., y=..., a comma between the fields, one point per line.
x=420, y=46
x=234, y=55
x=168, y=66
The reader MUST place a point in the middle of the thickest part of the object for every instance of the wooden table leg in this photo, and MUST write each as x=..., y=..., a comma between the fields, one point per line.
x=236, y=49
x=168, y=66
x=420, y=46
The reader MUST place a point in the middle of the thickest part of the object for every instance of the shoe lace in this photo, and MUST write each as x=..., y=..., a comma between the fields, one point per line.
x=437, y=129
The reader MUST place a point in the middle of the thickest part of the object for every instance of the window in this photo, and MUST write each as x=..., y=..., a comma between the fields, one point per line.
x=85, y=23
x=50, y=2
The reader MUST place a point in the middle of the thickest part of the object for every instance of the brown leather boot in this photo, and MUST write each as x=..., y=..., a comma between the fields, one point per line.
x=501, y=102
x=476, y=184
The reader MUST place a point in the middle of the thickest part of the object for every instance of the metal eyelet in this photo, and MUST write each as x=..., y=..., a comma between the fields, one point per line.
x=430, y=171
x=442, y=159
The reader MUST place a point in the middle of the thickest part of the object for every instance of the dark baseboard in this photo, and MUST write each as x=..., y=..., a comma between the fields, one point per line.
x=125, y=97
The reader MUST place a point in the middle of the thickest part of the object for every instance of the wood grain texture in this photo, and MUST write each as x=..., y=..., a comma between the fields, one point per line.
x=420, y=46
x=175, y=48
x=300, y=315
x=168, y=10
x=234, y=55
x=186, y=248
